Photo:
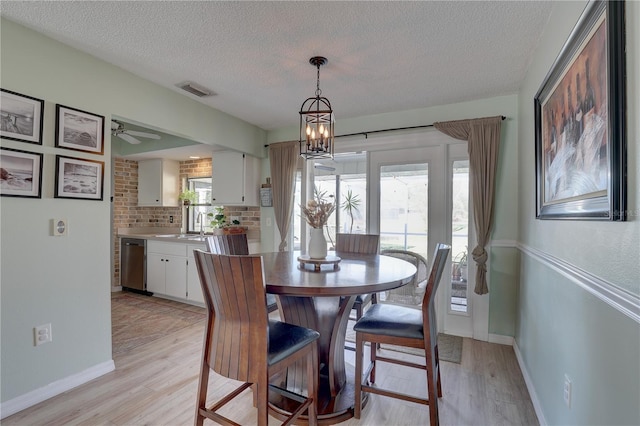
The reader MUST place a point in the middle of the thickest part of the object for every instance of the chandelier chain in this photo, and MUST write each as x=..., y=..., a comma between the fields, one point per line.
x=318, y=91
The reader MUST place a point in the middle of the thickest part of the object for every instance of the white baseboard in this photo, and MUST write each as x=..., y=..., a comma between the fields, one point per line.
x=500, y=339
x=56, y=388
x=532, y=391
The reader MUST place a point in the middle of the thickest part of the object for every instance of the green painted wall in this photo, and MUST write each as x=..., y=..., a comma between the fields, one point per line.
x=66, y=281
x=562, y=328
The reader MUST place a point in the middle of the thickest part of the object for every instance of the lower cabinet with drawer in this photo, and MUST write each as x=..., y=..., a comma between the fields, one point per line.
x=171, y=271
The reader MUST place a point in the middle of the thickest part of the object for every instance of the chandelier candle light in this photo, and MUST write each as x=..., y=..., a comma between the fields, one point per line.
x=316, y=121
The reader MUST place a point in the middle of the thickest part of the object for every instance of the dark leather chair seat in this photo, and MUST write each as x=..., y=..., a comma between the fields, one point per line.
x=286, y=339
x=391, y=320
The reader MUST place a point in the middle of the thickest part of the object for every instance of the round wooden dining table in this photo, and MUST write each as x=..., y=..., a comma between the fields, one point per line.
x=322, y=300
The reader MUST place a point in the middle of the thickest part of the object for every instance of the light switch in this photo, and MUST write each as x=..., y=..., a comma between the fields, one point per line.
x=59, y=227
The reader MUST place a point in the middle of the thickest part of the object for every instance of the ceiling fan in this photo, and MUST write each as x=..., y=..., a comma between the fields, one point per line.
x=117, y=129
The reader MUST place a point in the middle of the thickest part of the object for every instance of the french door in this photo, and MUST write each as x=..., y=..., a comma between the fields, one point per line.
x=419, y=197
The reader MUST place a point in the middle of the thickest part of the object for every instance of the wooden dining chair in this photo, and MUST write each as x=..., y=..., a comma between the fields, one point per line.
x=236, y=244
x=243, y=344
x=410, y=294
x=228, y=244
x=364, y=244
x=403, y=326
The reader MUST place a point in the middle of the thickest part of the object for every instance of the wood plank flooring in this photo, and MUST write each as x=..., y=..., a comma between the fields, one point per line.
x=155, y=384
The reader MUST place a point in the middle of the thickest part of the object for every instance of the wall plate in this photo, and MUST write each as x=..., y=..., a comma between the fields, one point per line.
x=59, y=227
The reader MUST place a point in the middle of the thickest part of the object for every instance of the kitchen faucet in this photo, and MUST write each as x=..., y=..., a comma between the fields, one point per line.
x=201, y=222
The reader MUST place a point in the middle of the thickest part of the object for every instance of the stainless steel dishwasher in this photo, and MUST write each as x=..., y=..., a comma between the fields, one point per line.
x=133, y=264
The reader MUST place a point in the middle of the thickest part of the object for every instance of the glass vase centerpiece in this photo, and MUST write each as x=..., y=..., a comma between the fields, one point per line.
x=316, y=213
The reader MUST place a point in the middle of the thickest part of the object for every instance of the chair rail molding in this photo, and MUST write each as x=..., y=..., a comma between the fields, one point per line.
x=616, y=297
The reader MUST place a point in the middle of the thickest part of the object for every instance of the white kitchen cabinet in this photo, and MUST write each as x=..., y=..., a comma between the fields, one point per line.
x=158, y=183
x=156, y=282
x=167, y=269
x=236, y=179
x=194, y=290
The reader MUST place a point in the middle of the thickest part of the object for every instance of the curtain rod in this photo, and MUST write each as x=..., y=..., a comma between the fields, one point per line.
x=386, y=130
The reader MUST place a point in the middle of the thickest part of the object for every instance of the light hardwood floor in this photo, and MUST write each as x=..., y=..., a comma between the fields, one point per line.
x=155, y=384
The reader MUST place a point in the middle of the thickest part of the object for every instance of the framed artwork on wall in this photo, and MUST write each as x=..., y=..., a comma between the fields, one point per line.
x=20, y=173
x=79, y=130
x=79, y=178
x=21, y=117
x=580, y=128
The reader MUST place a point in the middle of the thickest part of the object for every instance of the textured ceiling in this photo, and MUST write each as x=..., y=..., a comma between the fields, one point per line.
x=383, y=56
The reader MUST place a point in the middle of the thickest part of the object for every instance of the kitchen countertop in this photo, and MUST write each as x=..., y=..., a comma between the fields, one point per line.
x=172, y=235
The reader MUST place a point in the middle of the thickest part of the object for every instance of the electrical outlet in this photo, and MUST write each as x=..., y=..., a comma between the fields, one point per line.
x=268, y=221
x=42, y=334
x=170, y=219
x=567, y=391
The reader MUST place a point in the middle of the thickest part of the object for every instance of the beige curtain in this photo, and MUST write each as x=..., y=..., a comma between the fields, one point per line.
x=283, y=158
x=483, y=137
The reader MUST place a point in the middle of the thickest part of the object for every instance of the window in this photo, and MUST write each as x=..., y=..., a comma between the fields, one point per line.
x=342, y=180
x=197, y=212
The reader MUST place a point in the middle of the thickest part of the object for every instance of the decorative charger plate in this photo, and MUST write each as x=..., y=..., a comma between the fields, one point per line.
x=317, y=263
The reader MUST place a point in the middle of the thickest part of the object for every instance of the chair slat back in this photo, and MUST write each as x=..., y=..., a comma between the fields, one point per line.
x=435, y=274
x=234, y=292
x=437, y=267
x=358, y=243
x=228, y=244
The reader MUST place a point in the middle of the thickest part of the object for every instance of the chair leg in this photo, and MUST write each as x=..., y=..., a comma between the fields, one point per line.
x=201, y=399
x=372, y=352
x=432, y=387
x=312, y=387
x=358, y=311
x=262, y=401
x=358, y=376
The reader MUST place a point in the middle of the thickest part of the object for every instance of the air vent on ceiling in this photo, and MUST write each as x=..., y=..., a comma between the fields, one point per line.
x=196, y=89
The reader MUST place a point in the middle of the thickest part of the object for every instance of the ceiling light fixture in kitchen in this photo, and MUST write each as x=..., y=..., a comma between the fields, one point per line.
x=316, y=121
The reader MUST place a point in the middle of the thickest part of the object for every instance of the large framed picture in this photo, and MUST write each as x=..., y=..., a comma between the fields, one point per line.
x=580, y=128
x=78, y=178
x=21, y=117
x=20, y=173
x=79, y=130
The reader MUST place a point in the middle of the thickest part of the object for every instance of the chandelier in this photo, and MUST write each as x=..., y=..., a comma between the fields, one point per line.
x=316, y=121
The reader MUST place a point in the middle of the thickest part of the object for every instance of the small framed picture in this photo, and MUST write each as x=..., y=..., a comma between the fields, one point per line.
x=79, y=178
x=20, y=173
x=21, y=117
x=79, y=130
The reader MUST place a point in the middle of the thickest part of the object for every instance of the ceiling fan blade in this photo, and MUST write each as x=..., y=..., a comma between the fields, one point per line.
x=128, y=138
x=142, y=134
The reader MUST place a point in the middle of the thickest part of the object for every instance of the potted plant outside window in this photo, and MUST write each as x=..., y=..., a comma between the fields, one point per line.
x=460, y=266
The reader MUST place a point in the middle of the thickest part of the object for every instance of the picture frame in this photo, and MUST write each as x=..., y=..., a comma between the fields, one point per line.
x=580, y=123
x=20, y=173
x=21, y=117
x=79, y=130
x=79, y=178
